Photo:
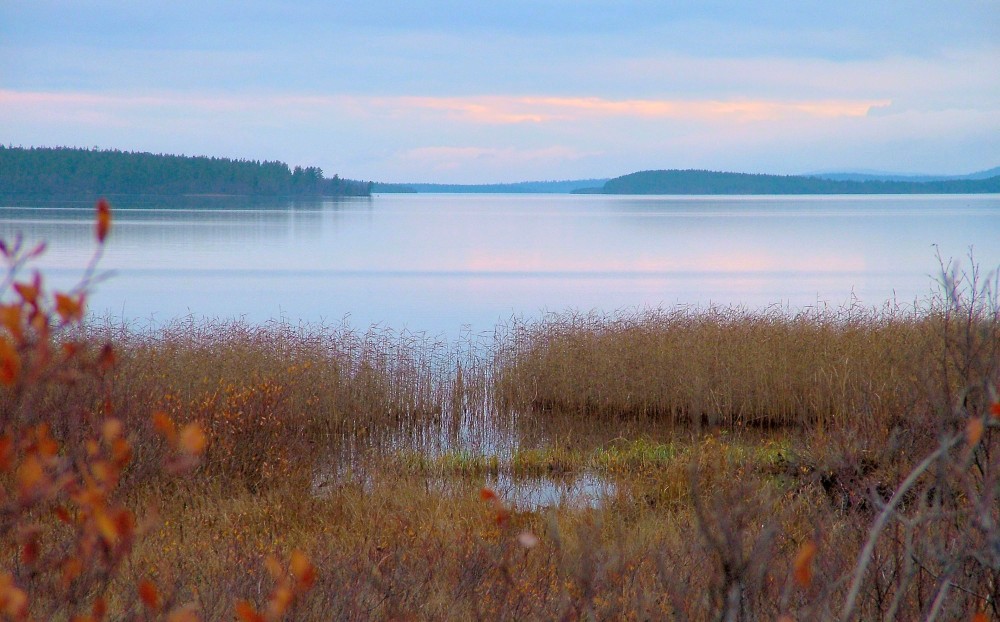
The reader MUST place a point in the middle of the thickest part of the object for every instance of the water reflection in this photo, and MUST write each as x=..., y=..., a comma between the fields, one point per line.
x=438, y=263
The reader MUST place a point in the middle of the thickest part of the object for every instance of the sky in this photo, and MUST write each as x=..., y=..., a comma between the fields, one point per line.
x=467, y=91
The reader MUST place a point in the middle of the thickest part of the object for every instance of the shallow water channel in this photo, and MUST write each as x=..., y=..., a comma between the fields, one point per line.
x=532, y=463
x=521, y=492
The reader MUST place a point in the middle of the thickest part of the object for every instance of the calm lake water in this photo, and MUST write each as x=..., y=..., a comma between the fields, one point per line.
x=446, y=263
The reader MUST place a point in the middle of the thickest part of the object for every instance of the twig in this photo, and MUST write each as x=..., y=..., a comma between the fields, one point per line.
x=866, y=554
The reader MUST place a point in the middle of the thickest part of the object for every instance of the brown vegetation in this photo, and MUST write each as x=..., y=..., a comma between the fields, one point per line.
x=834, y=464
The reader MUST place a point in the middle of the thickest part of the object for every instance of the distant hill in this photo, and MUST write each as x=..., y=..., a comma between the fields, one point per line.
x=712, y=182
x=540, y=187
x=88, y=172
x=876, y=176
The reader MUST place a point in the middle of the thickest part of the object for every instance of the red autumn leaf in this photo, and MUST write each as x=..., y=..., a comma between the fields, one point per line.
x=30, y=547
x=12, y=320
x=164, y=425
x=103, y=219
x=106, y=526
x=28, y=292
x=69, y=308
x=13, y=600
x=30, y=475
x=121, y=452
x=6, y=452
x=192, y=439
x=106, y=360
x=246, y=613
x=302, y=569
x=803, y=570
x=10, y=363
x=70, y=349
x=281, y=598
x=112, y=429
x=62, y=514
x=974, y=431
x=71, y=569
x=47, y=446
x=40, y=322
x=100, y=608
x=125, y=523
x=149, y=595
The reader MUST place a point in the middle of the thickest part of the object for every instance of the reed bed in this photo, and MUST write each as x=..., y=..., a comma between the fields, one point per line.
x=278, y=400
x=827, y=368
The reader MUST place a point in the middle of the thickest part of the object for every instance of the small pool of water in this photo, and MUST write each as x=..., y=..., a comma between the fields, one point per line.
x=526, y=493
x=537, y=493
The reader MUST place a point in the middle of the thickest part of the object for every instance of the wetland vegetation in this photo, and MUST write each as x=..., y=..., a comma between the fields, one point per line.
x=707, y=464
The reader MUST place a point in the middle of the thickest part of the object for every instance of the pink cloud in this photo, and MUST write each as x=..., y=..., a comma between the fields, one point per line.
x=498, y=109
x=538, y=109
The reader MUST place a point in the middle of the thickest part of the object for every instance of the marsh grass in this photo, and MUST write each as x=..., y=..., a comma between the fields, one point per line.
x=730, y=439
x=823, y=368
x=278, y=399
x=391, y=546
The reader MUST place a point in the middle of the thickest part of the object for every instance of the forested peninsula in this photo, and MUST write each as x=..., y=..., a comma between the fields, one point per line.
x=85, y=172
x=711, y=182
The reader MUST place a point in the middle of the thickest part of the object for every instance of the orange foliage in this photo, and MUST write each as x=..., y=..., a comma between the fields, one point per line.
x=103, y=225
x=290, y=584
x=974, y=431
x=149, y=594
x=58, y=507
x=803, y=567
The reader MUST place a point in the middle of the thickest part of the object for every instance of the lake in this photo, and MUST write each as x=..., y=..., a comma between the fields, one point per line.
x=447, y=263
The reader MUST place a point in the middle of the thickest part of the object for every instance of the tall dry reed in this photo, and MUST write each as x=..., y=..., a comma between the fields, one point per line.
x=276, y=399
x=839, y=367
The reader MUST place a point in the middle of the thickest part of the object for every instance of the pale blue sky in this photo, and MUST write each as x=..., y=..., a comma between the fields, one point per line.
x=453, y=91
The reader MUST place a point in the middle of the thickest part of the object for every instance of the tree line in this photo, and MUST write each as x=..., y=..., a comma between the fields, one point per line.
x=75, y=171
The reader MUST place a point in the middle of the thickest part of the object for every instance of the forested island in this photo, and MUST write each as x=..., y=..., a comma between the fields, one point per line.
x=712, y=182
x=84, y=172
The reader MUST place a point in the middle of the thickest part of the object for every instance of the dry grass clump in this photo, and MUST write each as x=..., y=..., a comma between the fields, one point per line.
x=732, y=367
x=277, y=399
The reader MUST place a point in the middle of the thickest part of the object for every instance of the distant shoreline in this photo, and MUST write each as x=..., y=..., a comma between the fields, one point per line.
x=84, y=174
x=701, y=182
